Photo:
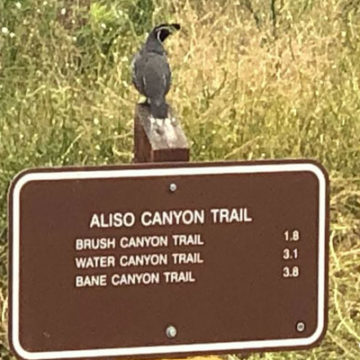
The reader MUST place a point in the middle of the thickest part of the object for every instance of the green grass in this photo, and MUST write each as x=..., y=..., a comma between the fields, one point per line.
x=243, y=88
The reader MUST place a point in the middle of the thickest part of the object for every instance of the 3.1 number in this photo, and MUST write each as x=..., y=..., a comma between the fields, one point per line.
x=290, y=254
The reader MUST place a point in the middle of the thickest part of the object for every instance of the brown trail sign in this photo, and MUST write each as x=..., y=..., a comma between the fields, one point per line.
x=152, y=260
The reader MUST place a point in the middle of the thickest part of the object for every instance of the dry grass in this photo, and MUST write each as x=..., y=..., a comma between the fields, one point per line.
x=243, y=90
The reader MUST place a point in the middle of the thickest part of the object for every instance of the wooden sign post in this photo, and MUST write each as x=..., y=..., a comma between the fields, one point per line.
x=158, y=140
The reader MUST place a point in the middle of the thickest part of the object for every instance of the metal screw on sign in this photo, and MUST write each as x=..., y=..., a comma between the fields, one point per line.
x=173, y=187
x=171, y=331
x=300, y=326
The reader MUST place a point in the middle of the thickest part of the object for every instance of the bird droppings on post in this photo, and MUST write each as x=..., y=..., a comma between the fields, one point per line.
x=158, y=139
x=165, y=126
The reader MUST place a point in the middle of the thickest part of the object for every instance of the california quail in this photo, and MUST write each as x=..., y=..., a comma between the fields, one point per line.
x=151, y=72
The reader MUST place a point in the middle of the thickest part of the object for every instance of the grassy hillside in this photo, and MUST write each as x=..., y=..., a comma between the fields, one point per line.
x=250, y=81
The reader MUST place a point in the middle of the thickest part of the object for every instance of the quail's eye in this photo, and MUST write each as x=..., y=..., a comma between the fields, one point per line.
x=162, y=34
x=158, y=35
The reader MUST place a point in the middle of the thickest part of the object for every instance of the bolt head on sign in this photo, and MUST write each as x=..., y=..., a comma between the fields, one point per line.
x=152, y=260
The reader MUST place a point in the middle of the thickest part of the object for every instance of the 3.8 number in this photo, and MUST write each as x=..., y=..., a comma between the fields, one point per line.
x=291, y=272
x=293, y=235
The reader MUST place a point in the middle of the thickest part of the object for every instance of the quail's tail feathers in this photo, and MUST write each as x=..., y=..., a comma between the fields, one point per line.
x=158, y=108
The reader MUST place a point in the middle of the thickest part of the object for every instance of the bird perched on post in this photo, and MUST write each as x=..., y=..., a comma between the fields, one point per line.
x=151, y=71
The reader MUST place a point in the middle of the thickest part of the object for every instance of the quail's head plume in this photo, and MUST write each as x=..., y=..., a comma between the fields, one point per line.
x=151, y=71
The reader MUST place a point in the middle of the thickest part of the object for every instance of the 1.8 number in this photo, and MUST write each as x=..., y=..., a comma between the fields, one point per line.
x=292, y=235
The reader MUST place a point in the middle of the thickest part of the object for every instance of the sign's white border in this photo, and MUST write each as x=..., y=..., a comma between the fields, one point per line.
x=155, y=172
